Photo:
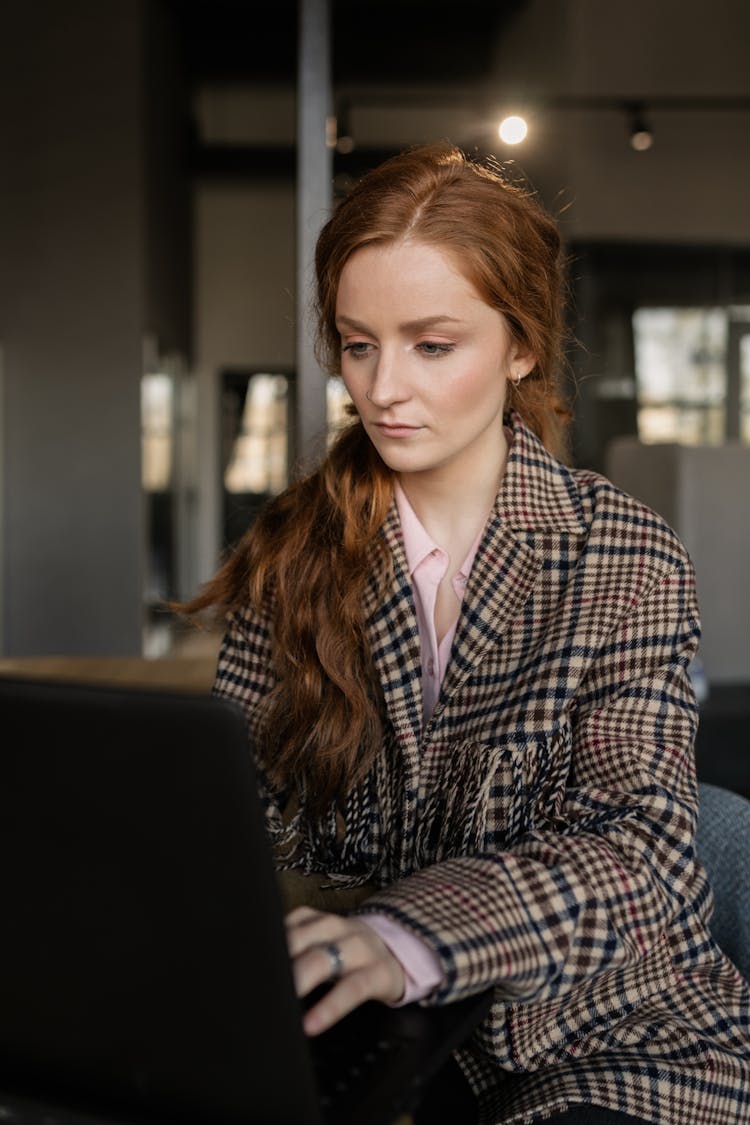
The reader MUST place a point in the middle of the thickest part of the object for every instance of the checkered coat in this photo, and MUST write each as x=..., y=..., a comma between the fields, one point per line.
x=538, y=832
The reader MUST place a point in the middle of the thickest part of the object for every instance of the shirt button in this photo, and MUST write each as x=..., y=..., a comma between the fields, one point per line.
x=431, y=667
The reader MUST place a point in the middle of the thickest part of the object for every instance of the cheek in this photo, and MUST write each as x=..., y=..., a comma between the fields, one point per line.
x=476, y=389
x=354, y=388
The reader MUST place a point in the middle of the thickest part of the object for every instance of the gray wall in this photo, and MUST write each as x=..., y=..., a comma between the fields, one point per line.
x=77, y=295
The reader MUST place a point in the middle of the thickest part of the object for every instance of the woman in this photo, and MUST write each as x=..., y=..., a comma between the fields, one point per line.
x=465, y=671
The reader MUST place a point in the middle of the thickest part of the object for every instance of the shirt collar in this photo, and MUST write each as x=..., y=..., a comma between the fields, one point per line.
x=418, y=543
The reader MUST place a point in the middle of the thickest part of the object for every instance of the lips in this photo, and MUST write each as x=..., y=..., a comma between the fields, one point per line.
x=396, y=429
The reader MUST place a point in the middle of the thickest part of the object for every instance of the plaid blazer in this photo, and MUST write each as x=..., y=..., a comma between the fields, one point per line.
x=538, y=832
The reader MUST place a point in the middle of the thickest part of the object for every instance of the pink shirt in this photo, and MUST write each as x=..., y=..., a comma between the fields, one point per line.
x=427, y=564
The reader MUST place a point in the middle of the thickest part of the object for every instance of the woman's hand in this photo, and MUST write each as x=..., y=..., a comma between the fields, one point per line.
x=345, y=950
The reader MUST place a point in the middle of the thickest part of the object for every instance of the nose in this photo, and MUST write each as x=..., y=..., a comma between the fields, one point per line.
x=388, y=384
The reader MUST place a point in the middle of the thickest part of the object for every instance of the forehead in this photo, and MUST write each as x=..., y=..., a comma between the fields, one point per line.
x=406, y=265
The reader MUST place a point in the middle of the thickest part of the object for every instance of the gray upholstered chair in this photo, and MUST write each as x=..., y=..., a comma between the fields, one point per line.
x=723, y=845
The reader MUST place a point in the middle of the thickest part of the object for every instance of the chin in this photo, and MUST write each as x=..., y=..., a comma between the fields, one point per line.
x=406, y=464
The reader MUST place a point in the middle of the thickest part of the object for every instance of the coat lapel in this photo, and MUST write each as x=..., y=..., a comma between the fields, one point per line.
x=501, y=580
x=393, y=633
x=537, y=503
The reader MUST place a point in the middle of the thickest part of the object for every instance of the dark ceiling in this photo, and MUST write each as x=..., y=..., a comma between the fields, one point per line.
x=375, y=42
x=378, y=45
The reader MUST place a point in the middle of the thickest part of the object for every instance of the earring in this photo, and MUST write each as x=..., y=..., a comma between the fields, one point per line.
x=516, y=376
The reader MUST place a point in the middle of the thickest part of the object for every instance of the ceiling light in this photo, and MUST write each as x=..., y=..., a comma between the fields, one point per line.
x=512, y=130
x=343, y=138
x=641, y=134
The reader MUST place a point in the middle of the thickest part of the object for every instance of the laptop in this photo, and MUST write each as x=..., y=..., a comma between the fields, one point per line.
x=143, y=967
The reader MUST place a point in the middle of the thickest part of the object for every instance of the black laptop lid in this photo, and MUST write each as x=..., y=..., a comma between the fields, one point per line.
x=137, y=964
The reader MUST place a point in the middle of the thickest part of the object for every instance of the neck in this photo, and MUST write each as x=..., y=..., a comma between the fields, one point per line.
x=450, y=503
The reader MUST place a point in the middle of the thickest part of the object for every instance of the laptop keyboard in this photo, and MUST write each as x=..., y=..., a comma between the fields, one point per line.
x=343, y=1065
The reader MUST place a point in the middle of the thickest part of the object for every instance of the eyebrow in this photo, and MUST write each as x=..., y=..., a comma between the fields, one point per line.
x=412, y=325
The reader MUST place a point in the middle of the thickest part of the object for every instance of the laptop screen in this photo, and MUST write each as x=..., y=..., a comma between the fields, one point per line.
x=142, y=953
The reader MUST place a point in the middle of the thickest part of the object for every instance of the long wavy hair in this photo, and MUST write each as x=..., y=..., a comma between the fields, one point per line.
x=306, y=560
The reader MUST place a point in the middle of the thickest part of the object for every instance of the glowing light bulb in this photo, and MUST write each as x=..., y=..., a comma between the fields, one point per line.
x=641, y=140
x=512, y=130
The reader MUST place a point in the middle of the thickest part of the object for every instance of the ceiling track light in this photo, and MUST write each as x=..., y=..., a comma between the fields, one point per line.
x=640, y=133
x=343, y=140
x=513, y=129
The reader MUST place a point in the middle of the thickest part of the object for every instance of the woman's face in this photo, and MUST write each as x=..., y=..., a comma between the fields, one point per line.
x=425, y=360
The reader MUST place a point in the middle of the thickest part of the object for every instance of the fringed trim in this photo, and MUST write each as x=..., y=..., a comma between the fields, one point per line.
x=453, y=820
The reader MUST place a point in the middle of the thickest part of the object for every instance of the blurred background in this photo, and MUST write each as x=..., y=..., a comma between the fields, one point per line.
x=165, y=166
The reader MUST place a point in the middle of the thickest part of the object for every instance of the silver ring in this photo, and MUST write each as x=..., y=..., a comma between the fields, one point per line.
x=337, y=961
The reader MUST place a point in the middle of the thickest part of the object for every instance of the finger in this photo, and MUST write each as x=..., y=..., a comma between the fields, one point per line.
x=352, y=990
x=318, y=964
x=308, y=931
x=370, y=972
x=301, y=916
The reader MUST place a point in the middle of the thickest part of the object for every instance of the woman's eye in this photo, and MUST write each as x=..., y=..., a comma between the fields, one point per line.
x=357, y=349
x=432, y=349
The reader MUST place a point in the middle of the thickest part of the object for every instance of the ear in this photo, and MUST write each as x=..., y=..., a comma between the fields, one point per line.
x=522, y=362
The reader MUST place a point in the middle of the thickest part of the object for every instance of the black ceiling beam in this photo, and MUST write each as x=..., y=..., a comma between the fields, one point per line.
x=273, y=162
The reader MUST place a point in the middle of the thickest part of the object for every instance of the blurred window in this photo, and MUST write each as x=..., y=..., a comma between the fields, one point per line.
x=156, y=431
x=257, y=412
x=257, y=460
x=680, y=371
x=692, y=387
x=745, y=386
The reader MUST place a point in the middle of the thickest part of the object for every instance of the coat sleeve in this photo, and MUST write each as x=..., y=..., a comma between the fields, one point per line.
x=595, y=885
x=244, y=675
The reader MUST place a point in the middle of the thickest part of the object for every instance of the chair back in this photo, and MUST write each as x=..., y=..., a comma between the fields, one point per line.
x=723, y=845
